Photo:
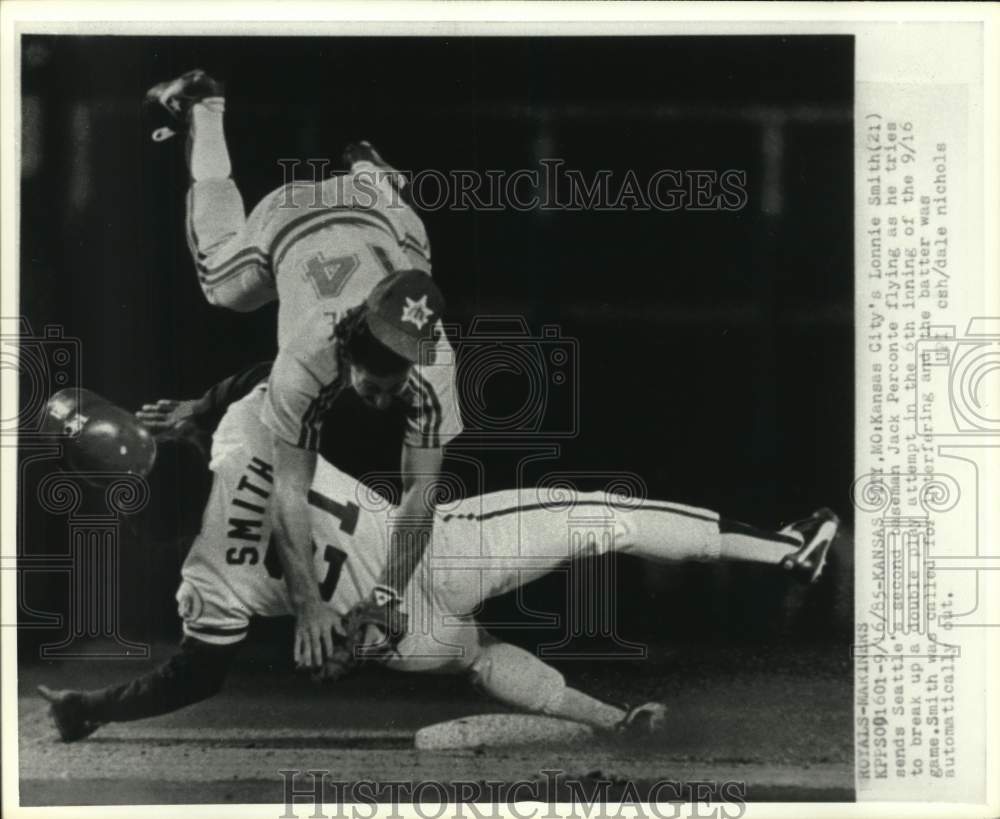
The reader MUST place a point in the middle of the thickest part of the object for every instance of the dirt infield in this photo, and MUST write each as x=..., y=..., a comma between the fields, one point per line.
x=777, y=720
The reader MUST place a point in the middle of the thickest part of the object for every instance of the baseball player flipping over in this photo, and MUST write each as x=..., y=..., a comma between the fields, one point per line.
x=349, y=264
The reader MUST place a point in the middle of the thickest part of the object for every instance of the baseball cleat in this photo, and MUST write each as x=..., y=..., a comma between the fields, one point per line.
x=817, y=533
x=364, y=151
x=644, y=720
x=177, y=96
x=67, y=711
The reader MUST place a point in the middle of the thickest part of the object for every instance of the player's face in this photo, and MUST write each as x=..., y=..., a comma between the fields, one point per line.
x=378, y=391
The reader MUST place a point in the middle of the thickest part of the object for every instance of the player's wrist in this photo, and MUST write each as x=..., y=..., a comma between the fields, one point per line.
x=307, y=604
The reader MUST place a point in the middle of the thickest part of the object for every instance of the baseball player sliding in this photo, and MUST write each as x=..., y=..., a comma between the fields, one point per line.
x=323, y=249
x=482, y=546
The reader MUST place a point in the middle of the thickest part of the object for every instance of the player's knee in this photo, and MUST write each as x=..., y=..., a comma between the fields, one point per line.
x=516, y=677
x=443, y=651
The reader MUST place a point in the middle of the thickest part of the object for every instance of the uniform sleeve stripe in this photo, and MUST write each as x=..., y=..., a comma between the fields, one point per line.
x=383, y=258
x=431, y=421
x=213, y=640
x=438, y=415
x=309, y=433
x=312, y=419
x=220, y=631
x=418, y=406
x=421, y=249
x=216, y=631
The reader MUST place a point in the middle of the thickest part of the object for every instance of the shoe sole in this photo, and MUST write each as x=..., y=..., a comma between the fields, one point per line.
x=162, y=92
x=821, y=542
x=649, y=720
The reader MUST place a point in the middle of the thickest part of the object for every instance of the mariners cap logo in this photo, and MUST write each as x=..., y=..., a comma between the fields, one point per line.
x=401, y=311
x=417, y=312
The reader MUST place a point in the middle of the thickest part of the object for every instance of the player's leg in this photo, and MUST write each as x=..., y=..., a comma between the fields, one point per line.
x=487, y=545
x=522, y=681
x=369, y=172
x=514, y=677
x=494, y=543
x=232, y=271
x=491, y=544
x=663, y=531
x=436, y=642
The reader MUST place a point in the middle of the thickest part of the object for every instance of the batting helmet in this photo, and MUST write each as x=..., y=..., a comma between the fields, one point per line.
x=101, y=437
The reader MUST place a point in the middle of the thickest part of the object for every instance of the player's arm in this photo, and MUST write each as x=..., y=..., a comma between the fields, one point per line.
x=196, y=420
x=195, y=673
x=294, y=469
x=303, y=379
x=375, y=626
x=434, y=419
x=420, y=469
x=209, y=409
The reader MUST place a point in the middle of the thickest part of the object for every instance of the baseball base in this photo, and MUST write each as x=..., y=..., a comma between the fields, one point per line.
x=500, y=731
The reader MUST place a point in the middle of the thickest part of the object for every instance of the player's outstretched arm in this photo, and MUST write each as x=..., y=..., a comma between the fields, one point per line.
x=293, y=475
x=196, y=420
x=210, y=408
x=166, y=417
x=195, y=673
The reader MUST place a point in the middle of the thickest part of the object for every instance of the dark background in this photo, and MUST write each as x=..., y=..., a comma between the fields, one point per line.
x=715, y=349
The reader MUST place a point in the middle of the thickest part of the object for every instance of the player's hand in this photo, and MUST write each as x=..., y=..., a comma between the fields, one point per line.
x=172, y=420
x=167, y=417
x=314, y=635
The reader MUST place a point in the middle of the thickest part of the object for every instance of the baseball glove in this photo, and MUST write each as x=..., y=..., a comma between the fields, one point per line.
x=336, y=667
x=375, y=626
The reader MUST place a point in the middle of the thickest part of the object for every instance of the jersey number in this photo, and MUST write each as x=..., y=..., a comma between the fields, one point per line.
x=347, y=514
x=334, y=557
x=328, y=276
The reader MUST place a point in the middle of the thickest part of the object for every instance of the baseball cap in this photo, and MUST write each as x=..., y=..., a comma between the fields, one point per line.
x=402, y=311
